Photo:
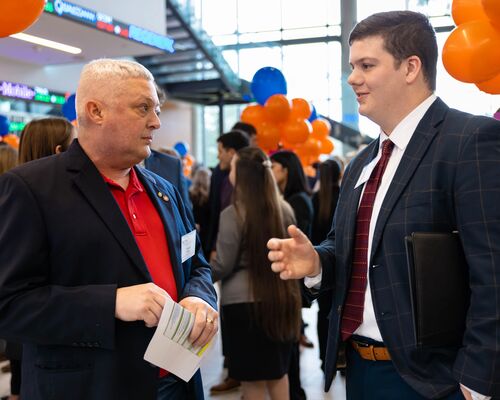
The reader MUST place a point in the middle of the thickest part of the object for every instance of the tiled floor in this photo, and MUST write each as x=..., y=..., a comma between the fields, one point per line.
x=311, y=375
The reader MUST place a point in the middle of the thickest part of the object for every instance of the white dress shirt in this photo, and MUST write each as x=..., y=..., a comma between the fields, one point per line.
x=400, y=136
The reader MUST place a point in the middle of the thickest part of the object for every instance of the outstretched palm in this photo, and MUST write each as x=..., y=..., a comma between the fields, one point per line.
x=293, y=258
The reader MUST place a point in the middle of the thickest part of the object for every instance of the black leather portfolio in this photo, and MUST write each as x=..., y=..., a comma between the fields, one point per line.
x=439, y=287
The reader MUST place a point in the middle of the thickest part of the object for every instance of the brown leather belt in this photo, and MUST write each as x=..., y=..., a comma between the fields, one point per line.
x=370, y=352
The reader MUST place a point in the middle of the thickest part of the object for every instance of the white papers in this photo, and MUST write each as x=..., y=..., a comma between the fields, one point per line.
x=170, y=348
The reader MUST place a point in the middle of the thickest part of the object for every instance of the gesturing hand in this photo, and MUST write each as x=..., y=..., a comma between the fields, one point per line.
x=140, y=303
x=293, y=258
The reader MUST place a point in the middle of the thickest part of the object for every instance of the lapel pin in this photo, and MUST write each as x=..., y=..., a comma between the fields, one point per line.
x=160, y=194
x=165, y=198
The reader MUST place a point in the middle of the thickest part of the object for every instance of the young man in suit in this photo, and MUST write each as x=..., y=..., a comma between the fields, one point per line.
x=91, y=246
x=432, y=169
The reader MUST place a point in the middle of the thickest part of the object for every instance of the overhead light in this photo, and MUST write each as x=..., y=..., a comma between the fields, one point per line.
x=47, y=43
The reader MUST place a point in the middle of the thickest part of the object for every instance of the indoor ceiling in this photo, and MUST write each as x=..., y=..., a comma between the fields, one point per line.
x=94, y=43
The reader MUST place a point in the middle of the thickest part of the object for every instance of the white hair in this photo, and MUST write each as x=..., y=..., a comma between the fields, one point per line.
x=102, y=77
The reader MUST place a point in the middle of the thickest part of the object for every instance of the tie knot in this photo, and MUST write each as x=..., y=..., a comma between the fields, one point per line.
x=387, y=147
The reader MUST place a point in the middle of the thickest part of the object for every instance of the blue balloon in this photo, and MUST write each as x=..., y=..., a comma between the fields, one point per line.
x=182, y=148
x=4, y=125
x=266, y=82
x=69, y=108
x=314, y=114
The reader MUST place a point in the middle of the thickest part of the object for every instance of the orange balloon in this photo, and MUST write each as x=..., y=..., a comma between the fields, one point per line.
x=321, y=128
x=311, y=147
x=18, y=15
x=278, y=108
x=491, y=86
x=12, y=140
x=253, y=114
x=301, y=108
x=310, y=171
x=296, y=130
x=472, y=52
x=327, y=145
x=268, y=136
x=467, y=10
x=188, y=160
x=286, y=145
x=492, y=10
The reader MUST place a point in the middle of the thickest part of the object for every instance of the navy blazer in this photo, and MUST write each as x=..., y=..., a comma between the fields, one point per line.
x=448, y=179
x=169, y=168
x=66, y=248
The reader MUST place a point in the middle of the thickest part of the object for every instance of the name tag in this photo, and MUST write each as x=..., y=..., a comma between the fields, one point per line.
x=188, y=245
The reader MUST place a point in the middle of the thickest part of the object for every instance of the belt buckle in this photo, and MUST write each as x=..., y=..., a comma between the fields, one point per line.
x=370, y=352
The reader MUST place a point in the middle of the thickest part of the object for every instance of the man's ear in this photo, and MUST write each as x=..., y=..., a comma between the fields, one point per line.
x=413, y=68
x=94, y=111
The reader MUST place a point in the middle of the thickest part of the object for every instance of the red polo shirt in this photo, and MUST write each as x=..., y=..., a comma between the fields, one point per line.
x=147, y=227
x=149, y=232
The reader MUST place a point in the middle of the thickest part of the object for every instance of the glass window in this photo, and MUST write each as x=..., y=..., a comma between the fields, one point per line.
x=219, y=16
x=251, y=60
x=369, y=7
x=333, y=12
x=299, y=14
x=258, y=15
x=305, y=68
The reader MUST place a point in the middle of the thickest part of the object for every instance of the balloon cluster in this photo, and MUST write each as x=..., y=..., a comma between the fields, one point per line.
x=18, y=15
x=9, y=138
x=472, y=51
x=285, y=124
x=187, y=159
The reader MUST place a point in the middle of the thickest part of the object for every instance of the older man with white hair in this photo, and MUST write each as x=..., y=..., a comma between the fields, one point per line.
x=91, y=246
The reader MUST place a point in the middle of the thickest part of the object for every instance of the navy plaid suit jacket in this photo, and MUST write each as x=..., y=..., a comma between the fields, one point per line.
x=448, y=179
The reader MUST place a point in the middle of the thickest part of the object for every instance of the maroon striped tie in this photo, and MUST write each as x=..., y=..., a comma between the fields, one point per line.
x=353, y=307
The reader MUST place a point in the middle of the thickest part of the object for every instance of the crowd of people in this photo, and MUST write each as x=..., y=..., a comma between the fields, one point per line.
x=96, y=233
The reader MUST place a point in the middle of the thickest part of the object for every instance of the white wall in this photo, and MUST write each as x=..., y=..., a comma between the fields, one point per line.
x=58, y=78
x=176, y=125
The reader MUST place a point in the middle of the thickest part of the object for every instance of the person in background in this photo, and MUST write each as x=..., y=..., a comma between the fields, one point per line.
x=39, y=138
x=221, y=191
x=199, y=192
x=91, y=249
x=432, y=169
x=324, y=204
x=8, y=157
x=8, y=160
x=262, y=315
x=249, y=129
x=292, y=183
x=220, y=187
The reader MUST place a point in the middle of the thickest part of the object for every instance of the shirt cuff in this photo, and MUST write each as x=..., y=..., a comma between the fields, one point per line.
x=315, y=281
x=476, y=395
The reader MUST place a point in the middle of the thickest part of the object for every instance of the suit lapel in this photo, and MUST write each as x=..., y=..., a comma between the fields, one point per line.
x=415, y=151
x=163, y=204
x=94, y=189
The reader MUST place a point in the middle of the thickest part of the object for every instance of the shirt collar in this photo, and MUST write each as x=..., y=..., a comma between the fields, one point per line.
x=134, y=185
x=403, y=131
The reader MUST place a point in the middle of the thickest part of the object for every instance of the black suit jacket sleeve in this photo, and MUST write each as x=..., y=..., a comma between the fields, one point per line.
x=32, y=309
